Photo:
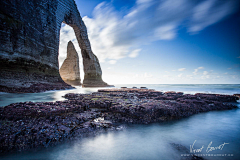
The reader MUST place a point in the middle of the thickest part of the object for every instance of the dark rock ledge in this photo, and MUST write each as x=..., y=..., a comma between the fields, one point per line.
x=36, y=87
x=29, y=125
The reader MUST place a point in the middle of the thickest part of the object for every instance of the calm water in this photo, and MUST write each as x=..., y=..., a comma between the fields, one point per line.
x=8, y=98
x=147, y=141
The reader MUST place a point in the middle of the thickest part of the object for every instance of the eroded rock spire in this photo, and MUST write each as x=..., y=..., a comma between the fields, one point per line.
x=69, y=70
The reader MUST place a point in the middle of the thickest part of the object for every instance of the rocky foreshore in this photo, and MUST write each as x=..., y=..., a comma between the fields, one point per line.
x=37, y=87
x=29, y=125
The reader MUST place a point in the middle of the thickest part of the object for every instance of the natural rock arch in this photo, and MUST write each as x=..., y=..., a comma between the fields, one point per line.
x=29, y=42
x=91, y=66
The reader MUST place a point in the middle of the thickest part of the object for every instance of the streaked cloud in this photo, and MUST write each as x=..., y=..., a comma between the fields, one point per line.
x=134, y=53
x=209, y=12
x=114, y=36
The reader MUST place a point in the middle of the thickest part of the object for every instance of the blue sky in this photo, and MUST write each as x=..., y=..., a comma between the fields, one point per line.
x=162, y=42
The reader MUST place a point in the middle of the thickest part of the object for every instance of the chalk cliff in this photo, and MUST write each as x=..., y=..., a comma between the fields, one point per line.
x=69, y=70
x=29, y=42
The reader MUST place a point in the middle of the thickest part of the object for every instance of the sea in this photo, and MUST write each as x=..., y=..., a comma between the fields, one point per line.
x=213, y=135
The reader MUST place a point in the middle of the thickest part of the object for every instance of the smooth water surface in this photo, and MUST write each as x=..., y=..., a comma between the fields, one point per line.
x=49, y=96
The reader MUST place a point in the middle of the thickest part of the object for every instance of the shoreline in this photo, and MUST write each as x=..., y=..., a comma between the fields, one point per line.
x=36, y=88
x=28, y=125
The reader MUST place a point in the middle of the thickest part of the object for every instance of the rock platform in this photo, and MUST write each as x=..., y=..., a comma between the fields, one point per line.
x=29, y=125
x=36, y=87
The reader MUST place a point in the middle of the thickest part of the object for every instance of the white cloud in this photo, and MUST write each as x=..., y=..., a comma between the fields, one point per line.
x=112, y=61
x=206, y=75
x=196, y=70
x=114, y=36
x=209, y=12
x=146, y=75
x=236, y=77
x=181, y=69
x=142, y=76
x=165, y=32
x=189, y=76
x=143, y=1
x=180, y=75
x=167, y=76
x=205, y=72
x=134, y=53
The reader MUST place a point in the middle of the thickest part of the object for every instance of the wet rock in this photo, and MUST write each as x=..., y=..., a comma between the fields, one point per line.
x=237, y=95
x=36, y=87
x=28, y=125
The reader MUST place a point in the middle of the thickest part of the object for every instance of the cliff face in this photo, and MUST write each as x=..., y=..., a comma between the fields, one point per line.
x=29, y=42
x=69, y=70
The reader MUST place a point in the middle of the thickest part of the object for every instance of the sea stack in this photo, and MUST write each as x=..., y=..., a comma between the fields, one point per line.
x=69, y=70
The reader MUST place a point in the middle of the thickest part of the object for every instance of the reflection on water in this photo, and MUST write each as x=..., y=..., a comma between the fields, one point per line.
x=153, y=141
x=49, y=96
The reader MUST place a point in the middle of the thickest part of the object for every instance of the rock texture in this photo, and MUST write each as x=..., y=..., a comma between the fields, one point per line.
x=29, y=42
x=28, y=125
x=69, y=70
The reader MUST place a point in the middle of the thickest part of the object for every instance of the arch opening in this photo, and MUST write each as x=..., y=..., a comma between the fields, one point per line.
x=69, y=57
x=91, y=66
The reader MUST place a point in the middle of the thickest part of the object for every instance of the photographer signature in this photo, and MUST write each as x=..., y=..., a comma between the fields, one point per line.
x=208, y=149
